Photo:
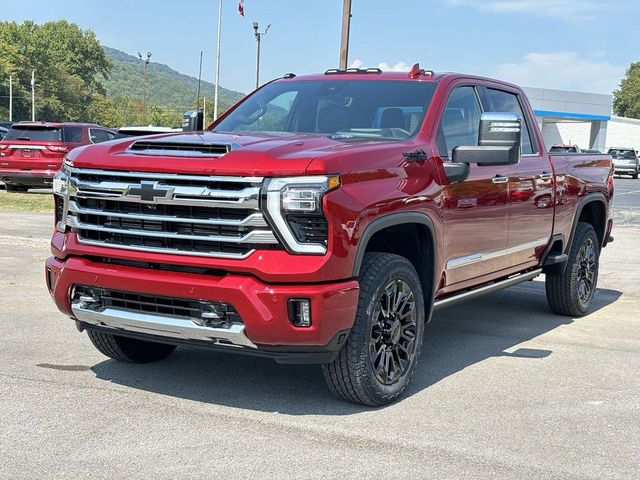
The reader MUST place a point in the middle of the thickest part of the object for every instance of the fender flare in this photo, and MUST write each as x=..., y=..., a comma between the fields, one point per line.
x=386, y=221
x=589, y=198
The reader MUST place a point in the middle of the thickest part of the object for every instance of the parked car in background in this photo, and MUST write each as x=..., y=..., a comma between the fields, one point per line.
x=565, y=149
x=625, y=161
x=140, y=131
x=3, y=132
x=32, y=152
x=6, y=125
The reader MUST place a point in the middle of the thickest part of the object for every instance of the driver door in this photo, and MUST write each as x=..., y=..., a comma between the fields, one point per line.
x=475, y=211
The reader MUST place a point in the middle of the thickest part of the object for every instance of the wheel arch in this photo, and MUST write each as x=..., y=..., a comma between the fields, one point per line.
x=410, y=235
x=592, y=209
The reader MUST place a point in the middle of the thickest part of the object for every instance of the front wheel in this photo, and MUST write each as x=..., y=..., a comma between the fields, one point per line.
x=380, y=355
x=571, y=292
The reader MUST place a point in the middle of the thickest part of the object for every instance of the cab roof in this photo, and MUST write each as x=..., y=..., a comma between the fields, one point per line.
x=415, y=74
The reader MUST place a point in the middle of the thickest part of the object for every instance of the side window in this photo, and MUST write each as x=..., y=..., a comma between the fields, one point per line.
x=72, y=134
x=97, y=135
x=460, y=122
x=500, y=101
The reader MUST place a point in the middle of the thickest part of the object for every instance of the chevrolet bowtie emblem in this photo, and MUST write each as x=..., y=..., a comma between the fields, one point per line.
x=149, y=191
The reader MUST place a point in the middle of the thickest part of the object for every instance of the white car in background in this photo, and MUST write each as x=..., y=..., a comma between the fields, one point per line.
x=625, y=161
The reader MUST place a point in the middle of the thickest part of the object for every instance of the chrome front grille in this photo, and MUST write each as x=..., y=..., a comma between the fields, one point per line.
x=166, y=213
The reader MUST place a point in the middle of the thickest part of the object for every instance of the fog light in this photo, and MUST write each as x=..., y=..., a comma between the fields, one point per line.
x=212, y=312
x=300, y=312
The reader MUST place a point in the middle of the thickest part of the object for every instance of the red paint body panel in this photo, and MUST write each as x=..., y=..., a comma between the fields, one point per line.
x=467, y=217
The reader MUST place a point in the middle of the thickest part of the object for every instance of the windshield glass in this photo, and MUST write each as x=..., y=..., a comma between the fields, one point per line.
x=34, y=134
x=380, y=109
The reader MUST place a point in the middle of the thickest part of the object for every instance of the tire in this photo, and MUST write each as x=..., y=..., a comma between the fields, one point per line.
x=15, y=188
x=634, y=176
x=361, y=371
x=129, y=350
x=571, y=292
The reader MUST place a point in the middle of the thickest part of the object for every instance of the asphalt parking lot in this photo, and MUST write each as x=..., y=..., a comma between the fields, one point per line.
x=505, y=389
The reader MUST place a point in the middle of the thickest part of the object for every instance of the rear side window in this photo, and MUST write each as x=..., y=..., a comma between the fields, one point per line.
x=73, y=134
x=34, y=134
x=97, y=135
x=500, y=101
x=460, y=122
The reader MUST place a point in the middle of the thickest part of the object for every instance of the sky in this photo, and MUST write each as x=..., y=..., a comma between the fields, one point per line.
x=583, y=45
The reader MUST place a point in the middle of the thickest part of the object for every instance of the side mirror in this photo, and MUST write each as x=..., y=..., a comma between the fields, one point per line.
x=498, y=141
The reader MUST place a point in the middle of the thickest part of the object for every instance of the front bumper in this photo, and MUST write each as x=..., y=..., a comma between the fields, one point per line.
x=266, y=329
x=27, y=177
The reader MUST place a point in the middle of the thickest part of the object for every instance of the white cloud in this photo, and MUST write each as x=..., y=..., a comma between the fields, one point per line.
x=569, y=10
x=384, y=66
x=562, y=70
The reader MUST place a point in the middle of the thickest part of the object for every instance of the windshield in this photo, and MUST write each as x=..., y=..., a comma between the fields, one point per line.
x=380, y=109
x=34, y=134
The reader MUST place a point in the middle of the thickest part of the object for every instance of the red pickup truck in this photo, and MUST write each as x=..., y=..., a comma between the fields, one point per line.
x=322, y=220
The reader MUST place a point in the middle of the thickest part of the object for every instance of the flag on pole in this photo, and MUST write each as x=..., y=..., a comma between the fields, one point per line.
x=241, y=7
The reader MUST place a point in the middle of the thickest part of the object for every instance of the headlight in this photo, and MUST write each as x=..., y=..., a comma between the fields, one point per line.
x=294, y=206
x=61, y=183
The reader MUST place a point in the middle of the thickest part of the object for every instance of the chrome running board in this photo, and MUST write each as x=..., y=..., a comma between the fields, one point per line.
x=164, y=326
x=491, y=287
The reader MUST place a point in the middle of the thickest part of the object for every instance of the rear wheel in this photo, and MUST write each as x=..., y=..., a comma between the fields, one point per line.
x=15, y=188
x=380, y=355
x=635, y=176
x=571, y=292
x=129, y=350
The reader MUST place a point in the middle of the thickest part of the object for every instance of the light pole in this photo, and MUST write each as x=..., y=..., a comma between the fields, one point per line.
x=145, y=92
x=217, y=87
x=258, y=34
x=346, y=25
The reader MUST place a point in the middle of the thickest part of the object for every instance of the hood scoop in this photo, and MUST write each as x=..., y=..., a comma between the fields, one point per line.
x=178, y=149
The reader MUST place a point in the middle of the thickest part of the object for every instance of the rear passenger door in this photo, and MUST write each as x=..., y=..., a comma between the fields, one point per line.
x=531, y=192
x=475, y=211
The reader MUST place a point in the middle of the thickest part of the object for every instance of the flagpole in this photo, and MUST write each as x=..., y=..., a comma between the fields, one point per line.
x=33, y=95
x=10, y=98
x=215, y=95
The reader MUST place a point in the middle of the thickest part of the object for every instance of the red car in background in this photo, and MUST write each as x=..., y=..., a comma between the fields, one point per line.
x=32, y=152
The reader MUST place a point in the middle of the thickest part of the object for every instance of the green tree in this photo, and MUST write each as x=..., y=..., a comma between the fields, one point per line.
x=626, y=100
x=102, y=110
x=69, y=65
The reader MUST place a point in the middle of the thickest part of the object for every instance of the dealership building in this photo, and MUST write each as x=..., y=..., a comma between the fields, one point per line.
x=583, y=119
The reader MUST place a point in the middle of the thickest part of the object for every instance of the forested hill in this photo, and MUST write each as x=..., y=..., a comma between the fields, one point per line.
x=167, y=88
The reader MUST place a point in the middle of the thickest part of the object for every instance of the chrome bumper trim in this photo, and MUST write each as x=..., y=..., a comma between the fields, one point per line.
x=163, y=326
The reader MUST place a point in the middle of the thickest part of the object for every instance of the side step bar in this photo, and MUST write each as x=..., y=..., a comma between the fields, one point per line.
x=491, y=287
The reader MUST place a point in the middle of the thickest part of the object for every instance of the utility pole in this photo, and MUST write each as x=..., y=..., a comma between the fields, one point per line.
x=33, y=95
x=145, y=92
x=10, y=98
x=346, y=25
x=217, y=87
x=258, y=35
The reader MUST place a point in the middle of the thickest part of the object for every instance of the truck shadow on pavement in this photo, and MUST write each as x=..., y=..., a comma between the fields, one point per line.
x=457, y=337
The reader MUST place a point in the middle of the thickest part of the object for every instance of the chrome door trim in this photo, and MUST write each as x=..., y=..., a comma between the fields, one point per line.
x=484, y=256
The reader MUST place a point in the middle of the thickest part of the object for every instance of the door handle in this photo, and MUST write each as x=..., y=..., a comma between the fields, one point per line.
x=498, y=179
x=545, y=176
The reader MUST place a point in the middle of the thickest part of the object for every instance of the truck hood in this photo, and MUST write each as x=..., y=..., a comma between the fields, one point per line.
x=248, y=154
